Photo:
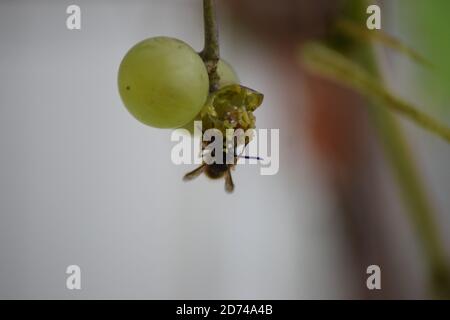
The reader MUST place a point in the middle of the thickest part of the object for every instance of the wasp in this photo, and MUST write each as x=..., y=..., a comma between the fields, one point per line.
x=231, y=107
x=217, y=171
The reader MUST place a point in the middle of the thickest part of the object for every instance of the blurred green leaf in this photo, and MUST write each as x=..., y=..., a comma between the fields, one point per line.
x=427, y=24
x=361, y=32
x=329, y=63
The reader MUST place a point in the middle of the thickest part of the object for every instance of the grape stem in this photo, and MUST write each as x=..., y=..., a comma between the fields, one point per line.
x=211, y=54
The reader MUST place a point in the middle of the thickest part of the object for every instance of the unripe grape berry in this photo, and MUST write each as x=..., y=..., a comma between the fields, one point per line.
x=226, y=74
x=163, y=82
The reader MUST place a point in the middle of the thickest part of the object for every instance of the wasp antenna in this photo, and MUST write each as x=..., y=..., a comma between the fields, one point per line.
x=250, y=157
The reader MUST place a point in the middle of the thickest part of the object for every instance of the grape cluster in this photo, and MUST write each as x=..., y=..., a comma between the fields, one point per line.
x=164, y=83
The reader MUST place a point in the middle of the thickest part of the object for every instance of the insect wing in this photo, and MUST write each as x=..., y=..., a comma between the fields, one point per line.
x=195, y=173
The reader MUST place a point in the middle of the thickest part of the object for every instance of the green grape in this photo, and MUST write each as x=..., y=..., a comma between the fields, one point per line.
x=226, y=74
x=227, y=77
x=163, y=82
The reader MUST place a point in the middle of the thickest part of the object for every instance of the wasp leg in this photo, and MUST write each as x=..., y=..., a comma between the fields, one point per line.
x=195, y=173
x=229, y=185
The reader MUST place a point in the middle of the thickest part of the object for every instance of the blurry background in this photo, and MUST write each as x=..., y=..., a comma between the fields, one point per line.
x=82, y=182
